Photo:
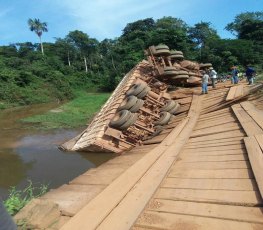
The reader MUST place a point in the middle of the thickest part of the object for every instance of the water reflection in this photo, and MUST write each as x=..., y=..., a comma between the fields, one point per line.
x=33, y=154
x=12, y=168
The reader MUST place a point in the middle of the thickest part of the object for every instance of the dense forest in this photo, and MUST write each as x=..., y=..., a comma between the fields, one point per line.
x=32, y=73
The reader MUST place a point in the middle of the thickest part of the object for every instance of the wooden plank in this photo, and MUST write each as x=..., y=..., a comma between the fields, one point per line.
x=213, y=123
x=213, y=114
x=217, y=148
x=71, y=198
x=192, y=141
x=184, y=100
x=212, y=174
x=213, y=165
x=214, y=107
x=143, y=147
x=259, y=139
x=216, y=117
x=231, y=93
x=220, y=129
x=226, y=212
x=217, y=184
x=212, y=158
x=253, y=112
x=100, y=207
x=157, y=139
x=256, y=159
x=170, y=221
x=130, y=207
x=213, y=144
x=217, y=107
x=219, y=136
x=214, y=153
x=249, y=198
x=215, y=97
x=208, y=111
x=239, y=91
x=216, y=125
x=248, y=124
x=213, y=102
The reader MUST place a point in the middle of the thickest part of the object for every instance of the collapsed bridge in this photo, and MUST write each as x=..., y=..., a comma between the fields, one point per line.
x=203, y=171
x=141, y=104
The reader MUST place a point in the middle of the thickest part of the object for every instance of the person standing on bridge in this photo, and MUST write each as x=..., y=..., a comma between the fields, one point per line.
x=213, y=76
x=205, y=79
x=250, y=73
x=234, y=75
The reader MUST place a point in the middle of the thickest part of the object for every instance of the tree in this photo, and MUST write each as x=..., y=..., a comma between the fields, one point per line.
x=38, y=27
x=241, y=20
x=172, y=32
x=86, y=46
x=140, y=25
x=201, y=33
x=251, y=30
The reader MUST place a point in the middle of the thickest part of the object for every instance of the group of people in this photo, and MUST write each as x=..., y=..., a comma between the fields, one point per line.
x=208, y=73
x=212, y=74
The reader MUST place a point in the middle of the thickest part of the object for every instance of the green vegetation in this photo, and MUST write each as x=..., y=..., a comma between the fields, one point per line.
x=259, y=78
x=79, y=62
x=19, y=198
x=73, y=114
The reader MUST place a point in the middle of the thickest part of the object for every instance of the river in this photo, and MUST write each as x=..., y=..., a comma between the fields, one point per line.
x=27, y=153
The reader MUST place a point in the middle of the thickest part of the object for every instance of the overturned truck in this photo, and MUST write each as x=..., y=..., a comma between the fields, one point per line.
x=140, y=105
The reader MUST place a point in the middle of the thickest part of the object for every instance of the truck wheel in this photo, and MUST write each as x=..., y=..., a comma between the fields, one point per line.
x=120, y=118
x=169, y=104
x=137, y=106
x=183, y=76
x=169, y=73
x=169, y=68
x=164, y=118
x=162, y=52
x=204, y=65
x=161, y=47
x=182, y=72
x=130, y=122
x=177, y=56
x=136, y=89
x=157, y=130
x=128, y=102
x=144, y=92
x=175, y=52
x=175, y=109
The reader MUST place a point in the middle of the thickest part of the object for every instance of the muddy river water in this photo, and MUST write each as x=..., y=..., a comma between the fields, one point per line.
x=27, y=153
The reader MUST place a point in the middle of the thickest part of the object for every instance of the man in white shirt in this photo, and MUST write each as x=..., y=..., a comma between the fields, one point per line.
x=213, y=76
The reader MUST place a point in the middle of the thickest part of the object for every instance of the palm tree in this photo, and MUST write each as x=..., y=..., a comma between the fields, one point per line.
x=38, y=27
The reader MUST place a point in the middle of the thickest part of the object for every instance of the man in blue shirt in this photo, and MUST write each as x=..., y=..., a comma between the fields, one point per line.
x=250, y=73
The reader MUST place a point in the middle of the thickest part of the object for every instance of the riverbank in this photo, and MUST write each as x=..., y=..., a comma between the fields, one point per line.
x=73, y=114
x=32, y=154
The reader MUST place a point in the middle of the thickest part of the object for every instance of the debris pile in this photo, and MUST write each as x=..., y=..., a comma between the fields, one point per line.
x=171, y=67
x=140, y=105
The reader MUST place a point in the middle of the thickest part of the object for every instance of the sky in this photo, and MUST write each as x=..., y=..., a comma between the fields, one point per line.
x=102, y=19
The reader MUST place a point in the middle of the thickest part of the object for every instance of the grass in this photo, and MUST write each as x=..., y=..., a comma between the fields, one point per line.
x=3, y=105
x=17, y=199
x=73, y=114
x=259, y=77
